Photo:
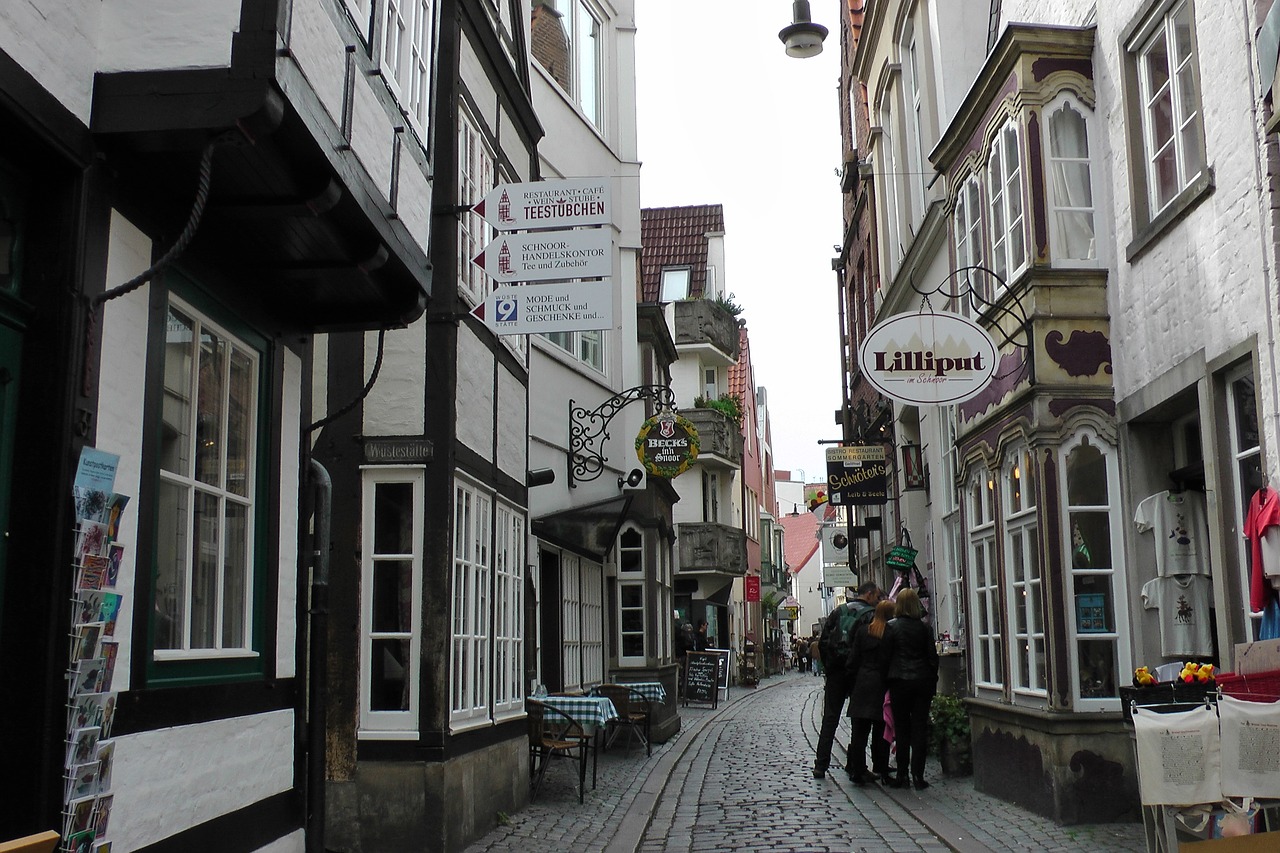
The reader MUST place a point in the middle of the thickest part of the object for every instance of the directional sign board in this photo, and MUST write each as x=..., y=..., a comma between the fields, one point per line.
x=548, y=255
x=538, y=309
x=547, y=204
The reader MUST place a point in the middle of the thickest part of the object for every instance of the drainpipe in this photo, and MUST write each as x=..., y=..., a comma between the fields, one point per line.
x=318, y=670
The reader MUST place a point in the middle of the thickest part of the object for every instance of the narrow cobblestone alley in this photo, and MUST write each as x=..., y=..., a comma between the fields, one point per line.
x=738, y=778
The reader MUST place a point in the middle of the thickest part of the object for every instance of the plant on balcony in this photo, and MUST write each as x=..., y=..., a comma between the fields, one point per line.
x=727, y=303
x=726, y=404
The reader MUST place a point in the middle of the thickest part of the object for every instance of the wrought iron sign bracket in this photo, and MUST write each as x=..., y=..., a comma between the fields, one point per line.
x=964, y=287
x=588, y=428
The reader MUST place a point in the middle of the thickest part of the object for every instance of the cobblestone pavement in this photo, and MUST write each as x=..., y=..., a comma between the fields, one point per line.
x=738, y=778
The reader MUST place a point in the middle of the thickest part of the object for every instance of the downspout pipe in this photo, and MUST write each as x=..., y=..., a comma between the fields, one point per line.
x=317, y=658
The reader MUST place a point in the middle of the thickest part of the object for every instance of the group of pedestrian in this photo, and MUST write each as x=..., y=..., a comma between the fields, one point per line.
x=879, y=653
x=805, y=654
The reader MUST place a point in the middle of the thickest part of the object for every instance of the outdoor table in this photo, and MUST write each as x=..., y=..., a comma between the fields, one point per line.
x=651, y=690
x=592, y=713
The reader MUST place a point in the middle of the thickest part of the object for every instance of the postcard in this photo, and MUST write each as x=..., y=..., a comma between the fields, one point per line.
x=82, y=748
x=87, y=676
x=79, y=817
x=106, y=759
x=81, y=842
x=108, y=648
x=90, y=504
x=101, y=847
x=92, y=574
x=102, y=814
x=88, y=709
x=82, y=780
x=114, y=513
x=108, y=714
x=115, y=556
x=85, y=643
x=91, y=541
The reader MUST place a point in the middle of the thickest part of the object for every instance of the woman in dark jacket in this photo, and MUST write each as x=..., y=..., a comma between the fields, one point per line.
x=909, y=664
x=866, y=702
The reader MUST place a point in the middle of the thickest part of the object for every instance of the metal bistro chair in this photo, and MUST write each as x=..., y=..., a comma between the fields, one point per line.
x=633, y=714
x=554, y=734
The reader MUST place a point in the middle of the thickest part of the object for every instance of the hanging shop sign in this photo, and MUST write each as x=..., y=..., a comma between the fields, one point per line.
x=835, y=544
x=581, y=306
x=901, y=557
x=547, y=204
x=751, y=584
x=667, y=445
x=928, y=358
x=548, y=255
x=858, y=476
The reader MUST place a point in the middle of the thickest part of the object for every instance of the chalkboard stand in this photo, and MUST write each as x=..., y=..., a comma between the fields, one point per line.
x=702, y=678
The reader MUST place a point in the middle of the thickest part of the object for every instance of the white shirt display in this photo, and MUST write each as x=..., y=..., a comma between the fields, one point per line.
x=1183, y=602
x=1181, y=529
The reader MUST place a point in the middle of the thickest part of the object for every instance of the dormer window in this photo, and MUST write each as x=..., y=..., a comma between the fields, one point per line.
x=675, y=284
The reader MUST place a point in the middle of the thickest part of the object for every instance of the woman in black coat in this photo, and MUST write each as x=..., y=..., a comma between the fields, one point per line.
x=909, y=664
x=866, y=702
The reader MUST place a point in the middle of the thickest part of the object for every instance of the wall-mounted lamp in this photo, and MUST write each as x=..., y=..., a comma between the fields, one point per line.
x=803, y=38
x=539, y=477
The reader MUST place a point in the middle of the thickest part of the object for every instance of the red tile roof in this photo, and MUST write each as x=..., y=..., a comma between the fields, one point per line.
x=676, y=237
x=799, y=539
x=740, y=371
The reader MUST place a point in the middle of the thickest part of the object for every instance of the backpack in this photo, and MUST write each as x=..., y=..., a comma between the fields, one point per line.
x=837, y=635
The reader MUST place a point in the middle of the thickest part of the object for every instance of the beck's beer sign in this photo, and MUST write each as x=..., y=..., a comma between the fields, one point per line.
x=667, y=445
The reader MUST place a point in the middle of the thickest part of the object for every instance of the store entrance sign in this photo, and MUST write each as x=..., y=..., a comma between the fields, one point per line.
x=928, y=358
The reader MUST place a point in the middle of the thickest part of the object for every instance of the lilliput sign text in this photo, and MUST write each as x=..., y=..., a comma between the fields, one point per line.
x=928, y=358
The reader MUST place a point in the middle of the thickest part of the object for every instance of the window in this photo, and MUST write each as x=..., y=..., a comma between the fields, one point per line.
x=582, y=617
x=984, y=574
x=390, y=614
x=1169, y=91
x=568, y=43
x=710, y=496
x=1093, y=555
x=508, y=622
x=631, y=609
x=405, y=56
x=206, y=572
x=475, y=178
x=1022, y=557
x=1071, y=207
x=675, y=285
x=361, y=12
x=1247, y=472
x=915, y=126
x=968, y=234
x=586, y=347
x=710, y=383
x=1004, y=189
x=472, y=516
x=949, y=610
x=892, y=205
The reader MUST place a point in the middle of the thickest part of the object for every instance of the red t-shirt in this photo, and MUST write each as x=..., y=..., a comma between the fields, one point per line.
x=1264, y=512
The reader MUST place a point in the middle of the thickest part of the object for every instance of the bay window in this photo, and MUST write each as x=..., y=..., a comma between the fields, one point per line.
x=1027, y=652
x=1005, y=204
x=984, y=574
x=1073, y=235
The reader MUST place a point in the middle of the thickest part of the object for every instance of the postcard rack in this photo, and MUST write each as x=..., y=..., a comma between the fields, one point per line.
x=91, y=701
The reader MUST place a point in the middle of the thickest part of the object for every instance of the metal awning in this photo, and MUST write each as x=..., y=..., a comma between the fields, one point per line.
x=590, y=529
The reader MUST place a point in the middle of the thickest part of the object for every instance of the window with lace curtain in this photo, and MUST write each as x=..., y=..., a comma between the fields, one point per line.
x=1073, y=233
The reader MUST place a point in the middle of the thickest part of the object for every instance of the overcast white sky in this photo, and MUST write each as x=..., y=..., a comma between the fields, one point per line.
x=725, y=116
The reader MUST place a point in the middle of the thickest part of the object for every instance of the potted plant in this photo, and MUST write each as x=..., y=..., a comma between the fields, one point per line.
x=949, y=734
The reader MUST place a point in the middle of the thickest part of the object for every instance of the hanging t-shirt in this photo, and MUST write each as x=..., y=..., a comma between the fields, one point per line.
x=1181, y=529
x=1183, y=602
x=1259, y=524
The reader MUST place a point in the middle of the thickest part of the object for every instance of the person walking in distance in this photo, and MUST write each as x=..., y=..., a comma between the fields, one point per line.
x=866, y=701
x=909, y=664
x=834, y=642
x=815, y=655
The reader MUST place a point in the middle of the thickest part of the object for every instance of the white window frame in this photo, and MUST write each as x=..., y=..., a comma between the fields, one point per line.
x=710, y=496
x=632, y=582
x=361, y=12
x=711, y=383
x=508, y=599
x=675, y=284
x=476, y=176
x=915, y=124
x=968, y=231
x=574, y=13
x=1187, y=139
x=471, y=634
x=1006, y=229
x=582, y=622
x=1240, y=457
x=950, y=611
x=984, y=583
x=404, y=56
x=1117, y=572
x=892, y=198
x=586, y=348
x=1025, y=580
x=1058, y=207
x=189, y=481
x=403, y=724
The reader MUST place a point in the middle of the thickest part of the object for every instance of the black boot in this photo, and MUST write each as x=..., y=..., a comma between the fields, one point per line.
x=920, y=784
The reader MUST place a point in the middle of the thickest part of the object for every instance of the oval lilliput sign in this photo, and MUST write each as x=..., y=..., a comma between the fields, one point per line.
x=667, y=444
x=931, y=358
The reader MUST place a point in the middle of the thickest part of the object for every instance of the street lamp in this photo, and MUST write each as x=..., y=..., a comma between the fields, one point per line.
x=803, y=38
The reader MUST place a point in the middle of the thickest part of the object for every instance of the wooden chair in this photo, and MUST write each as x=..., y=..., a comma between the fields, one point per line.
x=554, y=734
x=41, y=842
x=633, y=714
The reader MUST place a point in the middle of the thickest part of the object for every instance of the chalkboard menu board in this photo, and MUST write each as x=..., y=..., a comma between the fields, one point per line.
x=702, y=678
